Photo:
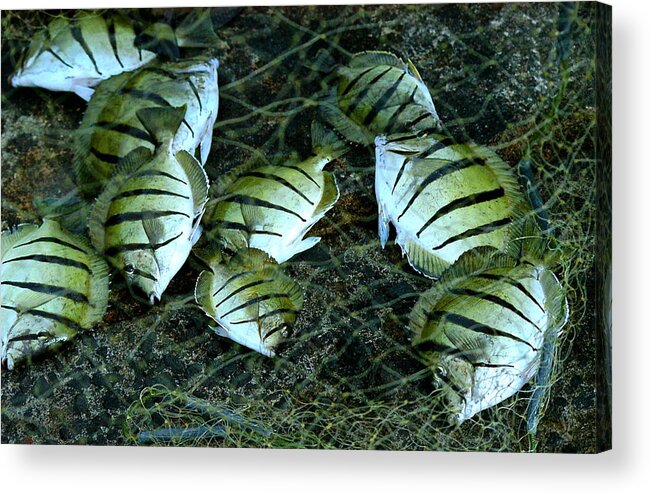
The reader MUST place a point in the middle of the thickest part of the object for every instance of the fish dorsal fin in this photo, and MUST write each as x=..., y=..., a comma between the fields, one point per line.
x=345, y=126
x=423, y=260
x=555, y=301
x=11, y=237
x=162, y=123
x=253, y=259
x=287, y=285
x=197, y=178
x=97, y=216
x=473, y=262
x=326, y=143
x=203, y=292
x=53, y=227
x=98, y=290
x=375, y=58
x=330, y=194
x=196, y=30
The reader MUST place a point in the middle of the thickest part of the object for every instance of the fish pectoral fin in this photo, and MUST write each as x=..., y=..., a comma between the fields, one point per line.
x=197, y=178
x=413, y=70
x=302, y=246
x=32, y=300
x=424, y=261
x=471, y=344
x=329, y=196
x=382, y=224
x=155, y=230
x=195, y=234
x=253, y=218
x=83, y=92
x=132, y=162
x=344, y=125
x=221, y=331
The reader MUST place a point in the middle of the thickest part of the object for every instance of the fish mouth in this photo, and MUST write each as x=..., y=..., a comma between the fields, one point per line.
x=151, y=297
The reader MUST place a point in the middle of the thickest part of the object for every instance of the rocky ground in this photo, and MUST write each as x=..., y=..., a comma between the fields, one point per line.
x=346, y=380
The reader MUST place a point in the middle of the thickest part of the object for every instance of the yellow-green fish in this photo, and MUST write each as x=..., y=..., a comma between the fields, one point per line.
x=272, y=207
x=253, y=302
x=77, y=54
x=147, y=218
x=110, y=129
x=481, y=328
x=378, y=93
x=53, y=286
x=444, y=199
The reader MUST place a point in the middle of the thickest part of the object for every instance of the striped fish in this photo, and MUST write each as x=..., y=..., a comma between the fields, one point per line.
x=444, y=199
x=482, y=327
x=111, y=129
x=147, y=218
x=378, y=93
x=77, y=54
x=272, y=207
x=53, y=286
x=253, y=302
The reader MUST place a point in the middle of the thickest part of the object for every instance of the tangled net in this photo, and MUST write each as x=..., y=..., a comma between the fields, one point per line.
x=349, y=378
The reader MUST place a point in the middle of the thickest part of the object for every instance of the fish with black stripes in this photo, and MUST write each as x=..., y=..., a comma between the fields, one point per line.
x=272, y=207
x=111, y=129
x=75, y=54
x=482, y=328
x=252, y=301
x=445, y=198
x=378, y=93
x=148, y=216
x=54, y=285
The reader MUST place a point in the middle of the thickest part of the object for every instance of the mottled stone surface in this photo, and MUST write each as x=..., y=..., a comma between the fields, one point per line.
x=347, y=380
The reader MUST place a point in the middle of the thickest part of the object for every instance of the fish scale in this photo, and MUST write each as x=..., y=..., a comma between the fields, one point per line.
x=53, y=286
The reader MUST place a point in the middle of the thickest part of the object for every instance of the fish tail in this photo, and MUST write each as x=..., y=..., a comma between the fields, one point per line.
x=196, y=30
x=326, y=143
x=159, y=38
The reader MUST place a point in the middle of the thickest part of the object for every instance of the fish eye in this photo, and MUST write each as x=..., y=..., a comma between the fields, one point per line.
x=129, y=269
x=440, y=372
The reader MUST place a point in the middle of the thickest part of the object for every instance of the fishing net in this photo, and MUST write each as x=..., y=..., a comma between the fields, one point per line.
x=516, y=77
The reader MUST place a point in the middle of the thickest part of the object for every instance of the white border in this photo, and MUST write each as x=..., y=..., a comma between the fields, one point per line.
x=99, y=469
